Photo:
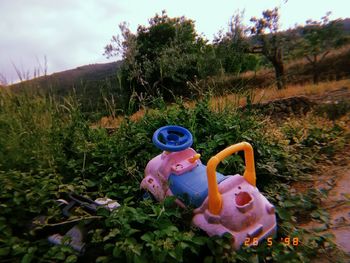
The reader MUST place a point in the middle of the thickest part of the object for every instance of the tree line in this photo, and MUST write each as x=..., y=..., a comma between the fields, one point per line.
x=160, y=58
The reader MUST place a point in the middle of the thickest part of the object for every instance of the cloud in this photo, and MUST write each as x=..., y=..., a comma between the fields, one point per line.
x=69, y=33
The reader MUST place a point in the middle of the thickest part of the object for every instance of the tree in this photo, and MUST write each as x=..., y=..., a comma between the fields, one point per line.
x=230, y=46
x=160, y=57
x=319, y=38
x=270, y=42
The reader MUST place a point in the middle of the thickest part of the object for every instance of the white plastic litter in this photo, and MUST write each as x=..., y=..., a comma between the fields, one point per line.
x=108, y=203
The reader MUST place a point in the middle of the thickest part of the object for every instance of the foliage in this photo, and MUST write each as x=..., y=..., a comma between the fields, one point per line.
x=231, y=47
x=161, y=57
x=319, y=38
x=270, y=41
x=24, y=130
x=319, y=138
x=71, y=156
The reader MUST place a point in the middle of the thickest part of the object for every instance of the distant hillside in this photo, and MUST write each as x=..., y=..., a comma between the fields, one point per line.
x=92, y=84
x=346, y=25
x=68, y=79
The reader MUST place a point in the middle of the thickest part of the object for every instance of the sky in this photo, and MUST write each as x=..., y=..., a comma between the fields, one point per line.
x=72, y=33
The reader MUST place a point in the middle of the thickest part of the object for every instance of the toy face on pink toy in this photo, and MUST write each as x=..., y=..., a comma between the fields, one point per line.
x=221, y=203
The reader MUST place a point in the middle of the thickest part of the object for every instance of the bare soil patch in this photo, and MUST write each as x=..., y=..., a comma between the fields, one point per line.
x=334, y=178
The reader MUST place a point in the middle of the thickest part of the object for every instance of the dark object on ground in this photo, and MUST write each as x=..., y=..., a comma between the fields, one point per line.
x=75, y=236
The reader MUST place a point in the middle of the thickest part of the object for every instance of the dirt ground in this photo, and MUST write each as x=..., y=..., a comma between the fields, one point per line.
x=334, y=177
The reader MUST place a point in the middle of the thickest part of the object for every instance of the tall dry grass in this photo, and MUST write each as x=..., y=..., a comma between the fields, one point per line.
x=269, y=94
x=299, y=90
x=235, y=100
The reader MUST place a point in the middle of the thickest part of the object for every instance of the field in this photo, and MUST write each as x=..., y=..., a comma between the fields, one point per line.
x=49, y=148
x=325, y=92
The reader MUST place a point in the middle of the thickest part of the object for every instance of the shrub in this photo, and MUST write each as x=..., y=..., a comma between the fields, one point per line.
x=161, y=57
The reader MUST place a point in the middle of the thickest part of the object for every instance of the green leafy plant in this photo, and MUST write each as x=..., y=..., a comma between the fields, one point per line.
x=94, y=163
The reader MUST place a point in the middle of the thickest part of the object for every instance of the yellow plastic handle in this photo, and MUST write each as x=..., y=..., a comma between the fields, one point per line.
x=215, y=200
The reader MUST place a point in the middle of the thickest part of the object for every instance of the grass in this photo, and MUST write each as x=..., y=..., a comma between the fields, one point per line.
x=235, y=100
x=300, y=90
x=269, y=94
x=48, y=149
x=334, y=67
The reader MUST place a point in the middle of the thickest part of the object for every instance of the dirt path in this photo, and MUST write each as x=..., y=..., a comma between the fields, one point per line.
x=339, y=209
x=335, y=179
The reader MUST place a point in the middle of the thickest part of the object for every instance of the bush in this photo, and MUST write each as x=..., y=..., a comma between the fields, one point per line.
x=163, y=56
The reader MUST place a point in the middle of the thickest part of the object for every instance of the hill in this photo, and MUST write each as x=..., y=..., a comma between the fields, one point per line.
x=67, y=79
x=90, y=84
x=346, y=25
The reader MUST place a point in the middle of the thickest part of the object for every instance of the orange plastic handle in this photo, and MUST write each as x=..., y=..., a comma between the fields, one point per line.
x=215, y=200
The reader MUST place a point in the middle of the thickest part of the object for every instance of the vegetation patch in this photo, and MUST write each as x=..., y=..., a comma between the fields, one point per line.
x=48, y=150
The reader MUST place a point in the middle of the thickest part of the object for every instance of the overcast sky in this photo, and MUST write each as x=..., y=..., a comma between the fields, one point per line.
x=72, y=33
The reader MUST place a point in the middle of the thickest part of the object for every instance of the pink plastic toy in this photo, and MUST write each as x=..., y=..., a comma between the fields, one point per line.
x=221, y=203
